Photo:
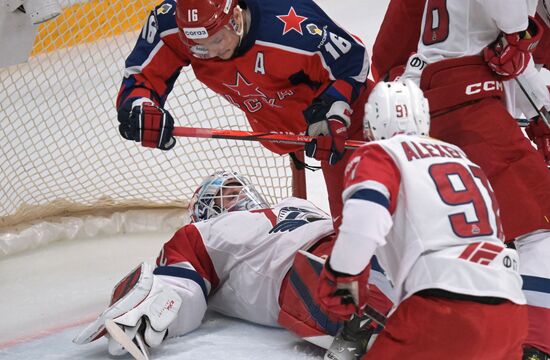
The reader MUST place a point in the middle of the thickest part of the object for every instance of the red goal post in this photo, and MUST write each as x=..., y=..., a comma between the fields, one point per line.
x=62, y=155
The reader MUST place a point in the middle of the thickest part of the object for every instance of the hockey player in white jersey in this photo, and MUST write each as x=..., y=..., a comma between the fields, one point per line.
x=243, y=257
x=457, y=41
x=430, y=216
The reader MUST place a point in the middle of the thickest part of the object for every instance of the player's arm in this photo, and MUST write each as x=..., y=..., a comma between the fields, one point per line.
x=372, y=186
x=338, y=54
x=186, y=265
x=510, y=53
x=150, y=72
x=397, y=38
x=341, y=58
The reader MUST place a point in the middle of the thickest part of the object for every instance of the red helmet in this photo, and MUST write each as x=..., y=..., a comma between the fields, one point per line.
x=199, y=19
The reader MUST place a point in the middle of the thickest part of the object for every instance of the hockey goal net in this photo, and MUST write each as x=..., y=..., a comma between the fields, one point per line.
x=61, y=151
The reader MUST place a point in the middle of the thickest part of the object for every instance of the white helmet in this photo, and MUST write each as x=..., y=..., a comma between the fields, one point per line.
x=397, y=107
x=224, y=191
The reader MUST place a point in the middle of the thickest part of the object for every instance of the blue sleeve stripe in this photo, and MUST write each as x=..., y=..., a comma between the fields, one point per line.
x=373, y=196
x=534, y=283
x=183, y=273
x=375, y=265
x=335, y=94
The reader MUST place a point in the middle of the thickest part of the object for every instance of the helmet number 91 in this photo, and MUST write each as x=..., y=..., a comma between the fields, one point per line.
x=401, y=110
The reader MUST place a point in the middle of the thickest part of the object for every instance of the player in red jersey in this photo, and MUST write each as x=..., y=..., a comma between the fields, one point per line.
x=286, y=64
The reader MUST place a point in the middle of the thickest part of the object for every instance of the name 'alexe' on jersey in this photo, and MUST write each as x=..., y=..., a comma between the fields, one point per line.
x=446, y=231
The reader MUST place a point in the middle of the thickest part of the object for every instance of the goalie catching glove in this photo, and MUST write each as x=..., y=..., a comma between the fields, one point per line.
x=328, y=119
x=142, y=304
x=142, y=121
x=509, y=55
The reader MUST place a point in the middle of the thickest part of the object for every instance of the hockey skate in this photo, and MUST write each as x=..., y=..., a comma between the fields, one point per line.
x=530, y=353
x=351, y=341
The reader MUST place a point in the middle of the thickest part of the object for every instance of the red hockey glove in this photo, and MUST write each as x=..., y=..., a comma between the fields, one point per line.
x=509, y=55
x=329, y=148
x=142, y=121
x=539, y=133
x=342, y=295
x=328, y=119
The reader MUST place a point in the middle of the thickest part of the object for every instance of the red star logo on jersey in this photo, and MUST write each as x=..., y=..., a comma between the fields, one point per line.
x=292, y=21
x=244, y=88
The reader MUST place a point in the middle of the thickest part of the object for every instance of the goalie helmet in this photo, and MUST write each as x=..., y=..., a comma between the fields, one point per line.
x=397, y=107
x=200, y=19
x=224, y=191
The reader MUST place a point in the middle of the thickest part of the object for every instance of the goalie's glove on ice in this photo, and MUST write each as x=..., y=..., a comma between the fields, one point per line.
x=141, y=303
x=328, y=119
x=539, y=133
x=342, y=295
x=142, y=121
x=509, y=55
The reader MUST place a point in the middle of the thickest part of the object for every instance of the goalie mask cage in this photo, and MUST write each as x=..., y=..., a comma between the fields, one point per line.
x=61, y=151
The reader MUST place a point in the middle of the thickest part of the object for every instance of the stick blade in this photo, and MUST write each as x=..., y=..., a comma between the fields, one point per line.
x=120, y=336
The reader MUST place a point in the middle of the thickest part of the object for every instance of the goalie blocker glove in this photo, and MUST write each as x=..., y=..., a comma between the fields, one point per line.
x=328, y=119
x=509, y=55
x=141, y=303
x=142, y=121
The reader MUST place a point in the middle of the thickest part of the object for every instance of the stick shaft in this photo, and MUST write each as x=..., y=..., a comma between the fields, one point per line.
x=543, y=114
x=251, y=136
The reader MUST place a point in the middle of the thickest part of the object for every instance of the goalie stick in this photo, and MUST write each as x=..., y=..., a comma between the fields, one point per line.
x=185, y=131
x=542, y=113
x=138, y=353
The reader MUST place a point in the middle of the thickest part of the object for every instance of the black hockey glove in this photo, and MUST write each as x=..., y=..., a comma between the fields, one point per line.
x=142, y=121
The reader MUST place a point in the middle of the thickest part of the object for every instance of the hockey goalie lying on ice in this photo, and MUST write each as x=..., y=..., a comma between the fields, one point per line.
x=239, y=257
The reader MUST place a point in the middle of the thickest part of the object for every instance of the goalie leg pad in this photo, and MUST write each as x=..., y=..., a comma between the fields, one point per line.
x=300, y=311
x=127, y=293
x=141, y=302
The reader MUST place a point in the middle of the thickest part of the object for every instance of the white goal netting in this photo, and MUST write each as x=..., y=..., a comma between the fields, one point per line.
x=61, y=150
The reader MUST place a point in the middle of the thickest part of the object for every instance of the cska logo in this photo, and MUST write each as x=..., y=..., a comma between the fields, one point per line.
x=245, y=92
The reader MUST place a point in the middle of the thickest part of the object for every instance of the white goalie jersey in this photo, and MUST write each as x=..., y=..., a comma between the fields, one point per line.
x=431, y=216
x=237, y=261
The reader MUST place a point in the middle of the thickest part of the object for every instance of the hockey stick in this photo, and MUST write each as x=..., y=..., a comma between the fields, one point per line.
x=251, y=136
x=543, y=114
x=120, y=336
